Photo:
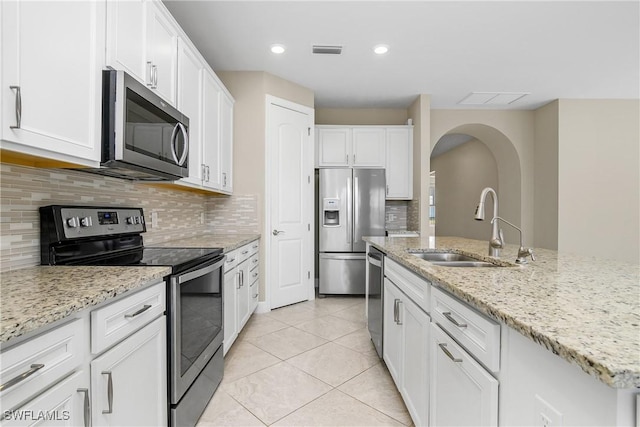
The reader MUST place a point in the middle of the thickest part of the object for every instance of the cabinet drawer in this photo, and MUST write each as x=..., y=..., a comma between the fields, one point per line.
x=414, y=286
x=120, y=319
x=253, y=291
x=254, y=261
x=48, y=357
x=478, y=334
x=255, y=246
x=253, y=275
x=231, y=261
x=244, y=252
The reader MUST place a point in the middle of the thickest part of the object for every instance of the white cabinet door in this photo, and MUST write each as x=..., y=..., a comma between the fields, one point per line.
x=462, y=392
x=211, y=131
x=119, y=400
x=333, y=147
x=230, y=308
x=190, y=89
x=162, y=45
x=127, y=38
x=415, y=361
x=392, y=332
x=399, y=163
x=52, y=64
x=65, y=404
x=368, y=147
x=226, y=143
x=244, y=289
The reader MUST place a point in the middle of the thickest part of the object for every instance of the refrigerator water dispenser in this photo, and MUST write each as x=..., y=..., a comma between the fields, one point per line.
x=331, y=212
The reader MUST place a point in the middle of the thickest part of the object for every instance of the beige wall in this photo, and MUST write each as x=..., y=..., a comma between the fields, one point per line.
x=599, y=178
x=419, y=112
x=361, y=116
x=510, y=137
x=545, y=195
x=249, y=89
x=461, y=174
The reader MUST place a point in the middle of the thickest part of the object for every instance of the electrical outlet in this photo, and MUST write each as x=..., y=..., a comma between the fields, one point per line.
x=154, y=219
x=546, y=415
x=201, y=218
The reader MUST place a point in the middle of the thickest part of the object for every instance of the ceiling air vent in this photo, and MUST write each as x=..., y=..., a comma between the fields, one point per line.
x=492, y=98
x=326, y=50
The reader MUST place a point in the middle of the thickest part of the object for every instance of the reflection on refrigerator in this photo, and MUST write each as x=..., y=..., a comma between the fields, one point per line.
x=352, y=205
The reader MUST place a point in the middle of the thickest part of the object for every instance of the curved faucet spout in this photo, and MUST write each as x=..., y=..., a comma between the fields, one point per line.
x=497, y=241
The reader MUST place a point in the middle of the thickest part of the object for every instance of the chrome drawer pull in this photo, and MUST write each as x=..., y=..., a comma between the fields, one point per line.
x=142, y=310
x=255, y=296
x=87, y=406
x=229, y=261
x=18, y=107
x=109, y=392
x=245, y=252
x=450, y=318
x=13, y=381
x=443, y=346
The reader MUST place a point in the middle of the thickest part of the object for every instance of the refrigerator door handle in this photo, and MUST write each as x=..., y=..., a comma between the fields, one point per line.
x=356, y=203
x=349, y=214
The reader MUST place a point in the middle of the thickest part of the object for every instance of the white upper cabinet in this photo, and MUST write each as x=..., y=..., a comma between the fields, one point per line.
x=211, y=149
x=350, y=146
x=333, y=147
x=142, y=39
x=190, y=85
x=226, y=150
x=368, y=147
x=52, y=57
x=399, y=164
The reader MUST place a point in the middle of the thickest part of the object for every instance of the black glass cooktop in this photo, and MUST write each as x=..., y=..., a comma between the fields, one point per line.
x=179, y=259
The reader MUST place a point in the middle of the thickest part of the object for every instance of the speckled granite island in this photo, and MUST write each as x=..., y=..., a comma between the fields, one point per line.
x=584, y=310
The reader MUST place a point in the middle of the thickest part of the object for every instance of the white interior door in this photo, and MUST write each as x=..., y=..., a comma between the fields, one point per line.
x=289, y=202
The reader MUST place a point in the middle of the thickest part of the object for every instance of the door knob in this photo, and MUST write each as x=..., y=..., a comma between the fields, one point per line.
x=276, y=232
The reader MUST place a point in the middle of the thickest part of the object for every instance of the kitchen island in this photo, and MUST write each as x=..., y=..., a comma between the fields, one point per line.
x=580, y=309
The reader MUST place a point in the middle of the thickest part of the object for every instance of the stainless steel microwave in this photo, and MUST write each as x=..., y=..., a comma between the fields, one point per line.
x=143, y=137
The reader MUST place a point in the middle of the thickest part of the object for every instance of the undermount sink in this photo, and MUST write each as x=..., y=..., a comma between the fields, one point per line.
x=452, y=259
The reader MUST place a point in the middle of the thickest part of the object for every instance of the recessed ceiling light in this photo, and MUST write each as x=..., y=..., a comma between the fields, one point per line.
x=381, y=49
x=277, y=48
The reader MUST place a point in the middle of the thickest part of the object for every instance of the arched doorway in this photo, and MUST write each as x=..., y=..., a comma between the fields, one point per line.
x=471, y=157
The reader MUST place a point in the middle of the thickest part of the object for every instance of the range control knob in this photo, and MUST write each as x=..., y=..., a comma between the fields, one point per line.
x=72, y=222
x=129, y=220
x=86, y=222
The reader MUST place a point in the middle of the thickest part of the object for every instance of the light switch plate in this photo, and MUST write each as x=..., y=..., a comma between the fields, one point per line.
x=546, y=415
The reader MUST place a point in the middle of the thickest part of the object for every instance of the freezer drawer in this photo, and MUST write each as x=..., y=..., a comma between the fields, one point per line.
x=342, y=273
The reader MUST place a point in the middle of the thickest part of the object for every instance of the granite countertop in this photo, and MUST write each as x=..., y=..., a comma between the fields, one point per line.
x=585, y=310
x=228, y=242
x=37, y=296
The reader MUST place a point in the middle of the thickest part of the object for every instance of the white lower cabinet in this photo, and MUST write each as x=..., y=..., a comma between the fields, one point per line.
x=240, y=290
x=129, y=381
x=463, y=393
x=65, y=404
x=406, y=350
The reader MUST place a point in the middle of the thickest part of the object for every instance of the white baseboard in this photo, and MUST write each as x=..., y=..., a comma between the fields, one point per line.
x=262, y=307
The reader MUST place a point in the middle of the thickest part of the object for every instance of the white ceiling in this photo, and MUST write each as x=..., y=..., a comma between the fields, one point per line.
x=571, y=49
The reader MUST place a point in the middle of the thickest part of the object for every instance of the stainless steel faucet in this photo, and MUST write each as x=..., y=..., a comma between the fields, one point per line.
x=497, y=239
x=523, y=252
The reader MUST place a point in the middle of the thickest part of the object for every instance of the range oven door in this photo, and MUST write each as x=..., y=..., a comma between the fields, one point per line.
x=195, y=323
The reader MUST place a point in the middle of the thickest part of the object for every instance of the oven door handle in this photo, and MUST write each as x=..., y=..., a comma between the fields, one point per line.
x=200, y=272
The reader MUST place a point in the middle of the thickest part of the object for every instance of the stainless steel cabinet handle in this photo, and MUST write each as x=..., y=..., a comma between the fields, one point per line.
x=18, y=107
x=443, y=346
x=109, y=392
x=354, y=159
x=238, y=274
x=229, y=261
x=241, y=278
x=87, y=406
x=142, y=310
x=255, y=274
x=149, y=74
x=203, y=171
x=387, y=189
x=208, y=173
x=276, y=232
x=13, y=381
x=245, y=252
x=399, y=320
x=224, y=179
x=450, y=318
x=346, y=158
x=154, y=76
x=395, y=310
x=255, y=296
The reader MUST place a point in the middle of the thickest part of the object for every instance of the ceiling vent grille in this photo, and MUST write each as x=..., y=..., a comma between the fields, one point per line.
x=326, y=50
x=492, y=98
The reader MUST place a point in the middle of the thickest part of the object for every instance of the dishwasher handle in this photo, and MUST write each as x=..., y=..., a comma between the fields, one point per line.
x=375, y=259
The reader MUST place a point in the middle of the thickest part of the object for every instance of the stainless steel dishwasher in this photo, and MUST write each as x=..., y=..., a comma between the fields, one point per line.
x=375, y=297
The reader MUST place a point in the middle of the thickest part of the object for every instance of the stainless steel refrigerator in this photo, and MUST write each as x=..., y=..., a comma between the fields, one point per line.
x=351, y=203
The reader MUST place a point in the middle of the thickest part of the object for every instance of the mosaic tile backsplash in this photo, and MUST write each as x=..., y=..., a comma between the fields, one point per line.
x=180, y=213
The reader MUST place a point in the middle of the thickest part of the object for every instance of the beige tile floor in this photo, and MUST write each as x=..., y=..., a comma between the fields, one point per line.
x=308, y=364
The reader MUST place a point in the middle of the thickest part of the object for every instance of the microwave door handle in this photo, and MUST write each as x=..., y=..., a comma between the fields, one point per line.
x=173, y=143
x=185, y=153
